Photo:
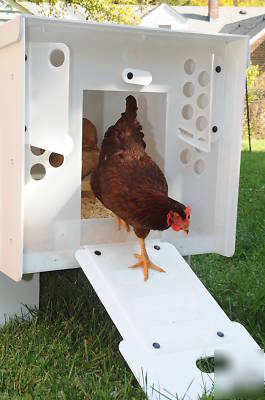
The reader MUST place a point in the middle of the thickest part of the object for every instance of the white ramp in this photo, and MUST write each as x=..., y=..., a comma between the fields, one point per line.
x=167, y=323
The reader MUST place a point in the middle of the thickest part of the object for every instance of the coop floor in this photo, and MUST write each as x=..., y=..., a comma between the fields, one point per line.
x=91, y=207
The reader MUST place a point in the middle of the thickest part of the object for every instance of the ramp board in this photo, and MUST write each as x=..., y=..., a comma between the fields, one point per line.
x=167, y=323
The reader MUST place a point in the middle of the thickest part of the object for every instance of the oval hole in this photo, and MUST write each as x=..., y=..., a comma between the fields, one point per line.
x=206, y=365
x=203, y=78
x=188, y=89
x=202, y=101
x=187, y=112
x=38, y=172
x=37, y=151
x=189, y=66
x=201, y=123
x=57, y=58
x=199, y=167
x=56, y=160
x=185, y=156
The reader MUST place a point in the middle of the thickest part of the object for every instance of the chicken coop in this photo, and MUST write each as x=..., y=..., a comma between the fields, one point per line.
x=189, y=89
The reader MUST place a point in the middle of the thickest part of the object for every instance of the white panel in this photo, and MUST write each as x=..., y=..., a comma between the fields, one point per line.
x=167, y=322
x=15, y=297
x=12, y=134
x=195, y=177
x=194, y=110
x=48, y=88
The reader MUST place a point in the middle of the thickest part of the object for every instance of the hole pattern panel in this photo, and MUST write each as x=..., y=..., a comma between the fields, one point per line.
x=194, y=110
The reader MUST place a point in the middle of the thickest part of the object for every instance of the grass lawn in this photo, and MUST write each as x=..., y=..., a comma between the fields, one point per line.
x=70, y=348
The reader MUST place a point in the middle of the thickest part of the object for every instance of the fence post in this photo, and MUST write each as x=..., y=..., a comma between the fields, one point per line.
x=249, y=135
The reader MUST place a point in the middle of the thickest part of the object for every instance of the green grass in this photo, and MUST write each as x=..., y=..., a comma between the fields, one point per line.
x=70, y=348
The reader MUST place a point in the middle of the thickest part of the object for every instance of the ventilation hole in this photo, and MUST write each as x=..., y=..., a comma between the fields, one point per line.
x=206, y=365
x=189, y=66
x=203, y=78
x=37, y=151
x=56, y=160
x=188, y=89
x=187, y=111
x=57, y=58
x=201, y=123
x=202, y=101
x=199, y=167
x=38, y=172
x=185, y=156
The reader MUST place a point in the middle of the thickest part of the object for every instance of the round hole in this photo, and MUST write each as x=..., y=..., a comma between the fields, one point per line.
x=37, y=151
x=130, y=75
x=189, y=66
x=201, y=123
x=202, y=101
x=187, y=111
x=185, y=156
x=38, y=172
x=203, y=78
x=56, y=160
x=97, y=252
x=57, y=58
x=188, y=89
x=199, y=167
x=156, y=247
x=156, y=345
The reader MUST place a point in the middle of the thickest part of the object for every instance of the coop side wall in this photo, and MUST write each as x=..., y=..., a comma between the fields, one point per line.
x=228, y=172
x=12, y=149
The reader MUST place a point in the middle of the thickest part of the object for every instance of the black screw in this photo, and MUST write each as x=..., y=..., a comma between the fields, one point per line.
x=130, y=75
x=97, y=252
x=214, y=129
x=218, y=69
x=26, y=57
x=157, y=247
x=220, y=334
x=156, y=345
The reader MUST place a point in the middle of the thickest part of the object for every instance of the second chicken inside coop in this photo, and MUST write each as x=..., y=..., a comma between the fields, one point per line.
x=91, y=207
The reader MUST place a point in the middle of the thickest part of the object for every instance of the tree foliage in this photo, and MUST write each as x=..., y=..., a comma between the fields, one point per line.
x=93, y=10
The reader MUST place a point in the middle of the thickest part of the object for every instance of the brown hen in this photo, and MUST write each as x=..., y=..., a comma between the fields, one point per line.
x=129, y=183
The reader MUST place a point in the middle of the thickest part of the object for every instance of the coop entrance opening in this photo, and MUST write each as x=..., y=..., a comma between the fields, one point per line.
x=101, y=109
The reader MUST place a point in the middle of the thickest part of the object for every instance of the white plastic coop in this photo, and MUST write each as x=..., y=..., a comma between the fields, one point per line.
x=190, y=90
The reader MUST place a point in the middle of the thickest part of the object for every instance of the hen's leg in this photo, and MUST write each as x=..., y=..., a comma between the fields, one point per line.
x=144, y=261
x=119, y=221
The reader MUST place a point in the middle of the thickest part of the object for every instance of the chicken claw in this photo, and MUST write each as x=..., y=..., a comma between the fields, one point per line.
x=120, y=221
x=145, y=262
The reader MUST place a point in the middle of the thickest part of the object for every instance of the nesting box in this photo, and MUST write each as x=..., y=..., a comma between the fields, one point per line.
x=190, y=93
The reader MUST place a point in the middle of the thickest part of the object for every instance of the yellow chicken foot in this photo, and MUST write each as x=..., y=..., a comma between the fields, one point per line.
x=119, y=221
x=144, y=261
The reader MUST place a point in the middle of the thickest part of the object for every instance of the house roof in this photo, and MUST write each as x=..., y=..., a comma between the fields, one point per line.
x=163, y=11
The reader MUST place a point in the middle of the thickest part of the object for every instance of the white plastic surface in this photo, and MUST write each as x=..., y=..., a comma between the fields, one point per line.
x=136, y=76
x=12, y=150
x=89, y=83
x=48, y=97
x=172, y=309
